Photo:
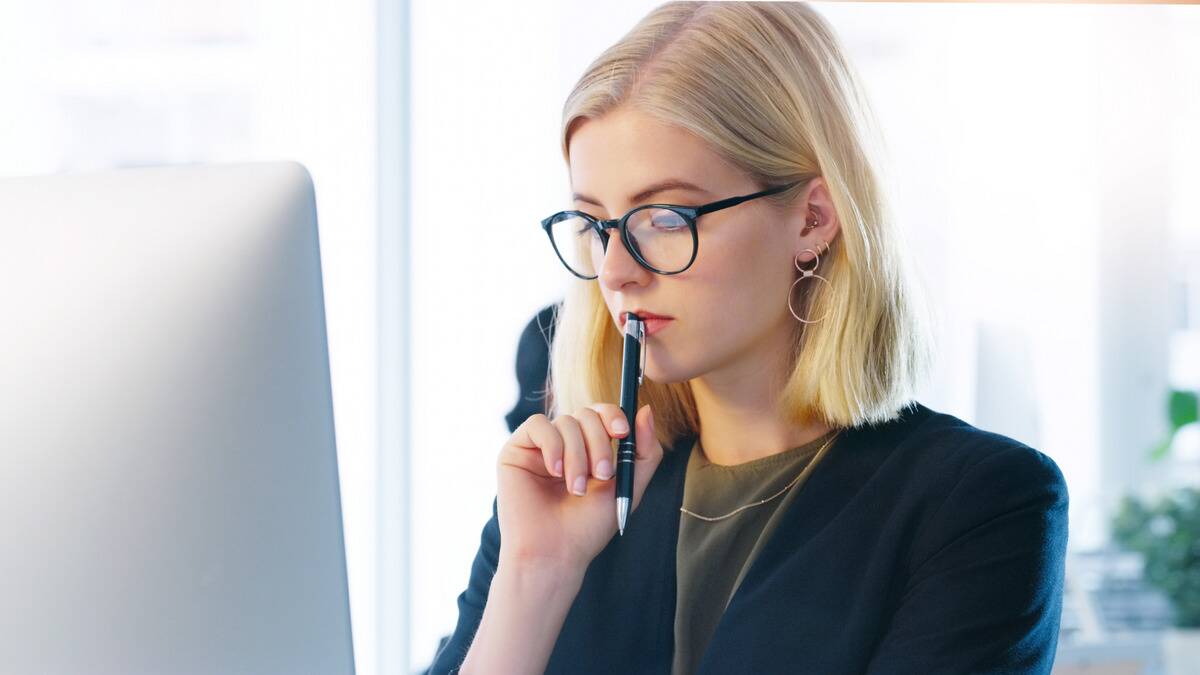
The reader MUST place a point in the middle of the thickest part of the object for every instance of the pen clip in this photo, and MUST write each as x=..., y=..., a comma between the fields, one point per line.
x=642, y=348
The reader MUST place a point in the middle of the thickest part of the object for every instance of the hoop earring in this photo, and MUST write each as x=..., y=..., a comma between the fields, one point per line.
x=804, y=274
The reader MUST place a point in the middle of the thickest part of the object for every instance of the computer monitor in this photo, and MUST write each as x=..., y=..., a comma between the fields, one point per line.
x=169, y=498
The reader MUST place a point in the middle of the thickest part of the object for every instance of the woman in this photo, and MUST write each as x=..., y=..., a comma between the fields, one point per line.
x=795, y=510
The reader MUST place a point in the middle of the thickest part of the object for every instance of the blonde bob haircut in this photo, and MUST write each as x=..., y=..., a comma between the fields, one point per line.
x=768, y=86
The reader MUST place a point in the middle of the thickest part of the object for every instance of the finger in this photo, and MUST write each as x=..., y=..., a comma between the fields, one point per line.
x=614, y=418
x=599, y=443
x=649, y=453
x=535, y=442
x=575, y=460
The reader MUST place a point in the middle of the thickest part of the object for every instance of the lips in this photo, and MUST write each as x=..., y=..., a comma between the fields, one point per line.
x=654, y=322
x=654, y=325
x=645, y=316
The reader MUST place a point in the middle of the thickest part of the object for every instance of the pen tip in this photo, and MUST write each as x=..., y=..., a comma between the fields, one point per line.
x=622, y=513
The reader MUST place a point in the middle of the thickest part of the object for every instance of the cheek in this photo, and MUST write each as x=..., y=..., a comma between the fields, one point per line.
x=731, y=298
x=739, y=276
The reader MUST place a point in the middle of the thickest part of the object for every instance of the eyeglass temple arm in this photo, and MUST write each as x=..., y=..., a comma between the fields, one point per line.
x=734, y=201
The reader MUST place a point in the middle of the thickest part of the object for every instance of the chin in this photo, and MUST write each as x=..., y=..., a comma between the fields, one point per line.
x=670, y=375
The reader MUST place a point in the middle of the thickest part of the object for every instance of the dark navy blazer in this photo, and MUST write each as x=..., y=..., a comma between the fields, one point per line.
x=921, y=545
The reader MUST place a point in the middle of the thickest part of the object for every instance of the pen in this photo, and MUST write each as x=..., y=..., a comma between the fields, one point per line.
x=632, y=363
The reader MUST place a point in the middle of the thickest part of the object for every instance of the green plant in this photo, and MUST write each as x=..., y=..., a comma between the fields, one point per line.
x=1183, y=408
x=1167, y=534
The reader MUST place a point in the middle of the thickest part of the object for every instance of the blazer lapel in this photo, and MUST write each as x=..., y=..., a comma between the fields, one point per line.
x=834, y=482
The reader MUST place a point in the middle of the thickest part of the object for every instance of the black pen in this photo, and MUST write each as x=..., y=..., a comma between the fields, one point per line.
x=632, y=362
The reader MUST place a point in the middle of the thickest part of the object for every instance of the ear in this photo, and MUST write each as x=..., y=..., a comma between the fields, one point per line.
x=816, y=221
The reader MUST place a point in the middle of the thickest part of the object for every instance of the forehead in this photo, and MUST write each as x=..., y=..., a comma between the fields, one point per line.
x=618, y=154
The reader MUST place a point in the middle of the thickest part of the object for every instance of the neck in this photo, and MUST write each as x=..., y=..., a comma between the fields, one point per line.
x=738, y=407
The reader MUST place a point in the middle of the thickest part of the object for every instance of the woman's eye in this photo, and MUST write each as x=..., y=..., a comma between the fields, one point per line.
x=668, y=221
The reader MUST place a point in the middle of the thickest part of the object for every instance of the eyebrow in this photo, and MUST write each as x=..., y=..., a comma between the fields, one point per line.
x=661, y=186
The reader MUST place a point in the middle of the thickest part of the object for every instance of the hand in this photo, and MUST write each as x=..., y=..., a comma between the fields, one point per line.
x=544, y=523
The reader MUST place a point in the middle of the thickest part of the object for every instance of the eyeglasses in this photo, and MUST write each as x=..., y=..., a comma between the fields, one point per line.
x=661, y=237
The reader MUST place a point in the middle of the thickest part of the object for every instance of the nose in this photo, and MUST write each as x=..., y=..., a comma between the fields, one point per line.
x=619, y=267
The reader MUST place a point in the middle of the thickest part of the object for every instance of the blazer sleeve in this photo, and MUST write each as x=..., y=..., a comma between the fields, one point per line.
x=986, y=594
x=471, y=601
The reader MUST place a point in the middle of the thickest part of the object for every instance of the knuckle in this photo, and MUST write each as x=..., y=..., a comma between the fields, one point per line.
x=571, y=436
x=608, y=409
x=550, y=440
x=504, y=457
x=588, y=413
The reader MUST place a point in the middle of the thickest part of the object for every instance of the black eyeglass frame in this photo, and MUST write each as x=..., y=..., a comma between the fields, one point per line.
x=688, y=213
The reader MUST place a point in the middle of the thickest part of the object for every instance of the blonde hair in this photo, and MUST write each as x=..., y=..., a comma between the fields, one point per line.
x=768, y=86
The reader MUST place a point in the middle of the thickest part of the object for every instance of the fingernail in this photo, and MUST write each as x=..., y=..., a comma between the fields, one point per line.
x=580, y=485
x=604, y=470
x=620, y=426
x=558, y=468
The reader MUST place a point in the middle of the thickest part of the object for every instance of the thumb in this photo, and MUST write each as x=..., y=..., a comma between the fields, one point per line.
x=649, y=453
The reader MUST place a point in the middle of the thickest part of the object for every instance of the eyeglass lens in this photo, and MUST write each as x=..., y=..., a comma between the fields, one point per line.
x=661, y=236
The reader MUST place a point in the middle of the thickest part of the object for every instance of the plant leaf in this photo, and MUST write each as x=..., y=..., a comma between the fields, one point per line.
x=1183, y=407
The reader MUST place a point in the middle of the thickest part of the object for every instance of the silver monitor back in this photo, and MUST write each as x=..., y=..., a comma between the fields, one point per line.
x=169, y=497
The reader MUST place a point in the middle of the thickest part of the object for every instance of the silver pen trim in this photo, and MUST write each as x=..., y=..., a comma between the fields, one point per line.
x=637, y=328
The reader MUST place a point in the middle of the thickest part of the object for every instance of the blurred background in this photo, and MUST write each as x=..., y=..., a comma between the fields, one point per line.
x=1043, y=160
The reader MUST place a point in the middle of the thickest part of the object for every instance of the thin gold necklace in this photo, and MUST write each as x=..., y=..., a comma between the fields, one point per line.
x=764, y=501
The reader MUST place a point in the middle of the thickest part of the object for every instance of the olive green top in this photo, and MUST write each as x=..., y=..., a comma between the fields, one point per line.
x=713, y=556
